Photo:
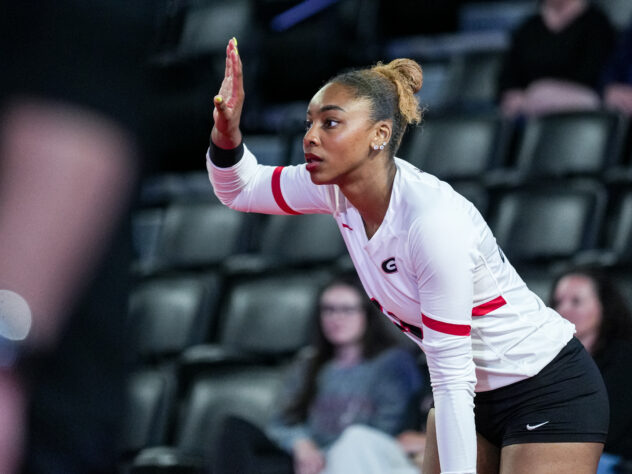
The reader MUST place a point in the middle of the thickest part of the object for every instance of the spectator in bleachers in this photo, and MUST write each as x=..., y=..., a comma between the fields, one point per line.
x=618, y=76
x=591, y=300
x=342, y=403
x=555, y=59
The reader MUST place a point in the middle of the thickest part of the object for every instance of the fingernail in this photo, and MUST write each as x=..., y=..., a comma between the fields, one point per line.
x=218, y=99
x=235, y=41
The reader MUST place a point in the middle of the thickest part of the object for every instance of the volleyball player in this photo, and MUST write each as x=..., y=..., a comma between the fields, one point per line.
x=428, y=259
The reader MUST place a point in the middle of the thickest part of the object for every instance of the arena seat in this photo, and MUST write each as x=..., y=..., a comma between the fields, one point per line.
x=614, y=249
x=200, y=235
x=473, y=80
x=570, y=144
x=264, y=319
x=169, y=314
x=457, y=146
x=544, y=223
x=474, y=192
x=248, y=392
x=149, y=407
x=303, y=241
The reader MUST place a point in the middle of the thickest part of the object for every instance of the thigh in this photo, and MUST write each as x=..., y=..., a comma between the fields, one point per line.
x=544, y=458
x=487, y=455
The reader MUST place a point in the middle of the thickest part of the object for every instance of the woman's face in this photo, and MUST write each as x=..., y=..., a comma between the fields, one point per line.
x=342, y=315
x=575, y=298
x=339, y=136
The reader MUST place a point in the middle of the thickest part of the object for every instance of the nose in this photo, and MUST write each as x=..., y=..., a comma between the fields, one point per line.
x=310, y=138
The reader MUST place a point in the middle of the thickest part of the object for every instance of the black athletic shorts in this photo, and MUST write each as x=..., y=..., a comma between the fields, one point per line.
x=565, y=402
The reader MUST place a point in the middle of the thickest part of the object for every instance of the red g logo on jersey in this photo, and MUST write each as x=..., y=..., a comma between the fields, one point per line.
x=389, y=266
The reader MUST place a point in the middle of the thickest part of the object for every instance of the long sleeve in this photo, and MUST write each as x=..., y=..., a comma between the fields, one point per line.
x=250, y=187
x=443, y=252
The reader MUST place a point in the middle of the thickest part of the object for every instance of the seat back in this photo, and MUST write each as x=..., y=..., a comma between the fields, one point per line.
x=200, y=234
x=549, y=222
x=456, y=146
x=474, y=79
x=248, y=392
x=150, y=402
x=302, y=240
x=475, y=193
x=169, y=314
x=571, y=143
x=270, y=315
x=619, y=238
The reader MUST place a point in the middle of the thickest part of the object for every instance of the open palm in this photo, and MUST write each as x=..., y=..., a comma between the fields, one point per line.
x=229, y=101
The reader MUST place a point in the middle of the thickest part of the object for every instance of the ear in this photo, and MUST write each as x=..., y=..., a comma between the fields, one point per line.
x=383, y=131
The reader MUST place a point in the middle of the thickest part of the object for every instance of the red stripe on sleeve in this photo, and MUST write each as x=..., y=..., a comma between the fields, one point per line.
x=488, y=307
x=446, y=328
x=276, y=192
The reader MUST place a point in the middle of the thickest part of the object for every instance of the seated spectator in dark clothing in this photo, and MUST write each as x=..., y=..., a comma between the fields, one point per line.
x=556, y=58
x=350, y=389
x=618, y=76
x=591, y=301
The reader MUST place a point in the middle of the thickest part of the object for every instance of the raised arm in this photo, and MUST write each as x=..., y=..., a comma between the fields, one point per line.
x=238, y=180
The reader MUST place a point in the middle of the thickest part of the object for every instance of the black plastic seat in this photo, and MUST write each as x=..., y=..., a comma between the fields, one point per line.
x=545, y=223
x=615, y=249
x=456, y=146
x=568, y=144
x=199, y=235
x=248, y=392
x=150, y=406
x=473, y=79
x=169, y=314
x=474, y=192
x=266, y=319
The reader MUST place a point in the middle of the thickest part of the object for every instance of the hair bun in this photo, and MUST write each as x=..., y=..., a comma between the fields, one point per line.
x=409, y=71
x=407, y=76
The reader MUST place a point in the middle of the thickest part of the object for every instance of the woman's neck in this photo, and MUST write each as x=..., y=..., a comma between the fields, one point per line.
x=347, y=355
x=557, y=14
x=371, y=194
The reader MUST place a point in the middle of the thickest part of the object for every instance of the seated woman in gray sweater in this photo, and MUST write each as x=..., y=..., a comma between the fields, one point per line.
x=351, y=383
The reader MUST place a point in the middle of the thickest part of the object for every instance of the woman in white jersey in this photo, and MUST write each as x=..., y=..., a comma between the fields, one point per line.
x=428, y=260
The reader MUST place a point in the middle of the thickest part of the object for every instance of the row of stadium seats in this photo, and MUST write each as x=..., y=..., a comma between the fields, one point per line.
x=208, y=346
x=532, y=223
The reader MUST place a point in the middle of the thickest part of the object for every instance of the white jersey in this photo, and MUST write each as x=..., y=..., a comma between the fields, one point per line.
x=434, y=268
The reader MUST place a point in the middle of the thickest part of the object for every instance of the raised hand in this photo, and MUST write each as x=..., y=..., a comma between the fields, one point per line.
x=229, y=101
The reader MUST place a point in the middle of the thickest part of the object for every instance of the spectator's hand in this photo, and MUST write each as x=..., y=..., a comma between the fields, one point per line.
x=412, y=442
x=414, y=445
x=308, y=459
x=229, y=101
x=512, y=103
x=619, y=97
x=553, y=95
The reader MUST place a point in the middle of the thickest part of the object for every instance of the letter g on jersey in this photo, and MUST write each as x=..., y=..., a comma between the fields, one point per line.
x=389, y=266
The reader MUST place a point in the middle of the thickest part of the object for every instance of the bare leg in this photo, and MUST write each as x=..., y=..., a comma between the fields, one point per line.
x=431, y=453
x=487, y=455
x=543, y=458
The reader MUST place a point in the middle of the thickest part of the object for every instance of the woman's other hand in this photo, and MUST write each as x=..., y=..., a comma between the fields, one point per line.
x=308, y=459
